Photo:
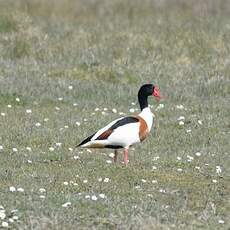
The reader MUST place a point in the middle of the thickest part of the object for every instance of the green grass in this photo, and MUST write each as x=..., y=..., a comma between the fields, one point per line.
x=106, y=50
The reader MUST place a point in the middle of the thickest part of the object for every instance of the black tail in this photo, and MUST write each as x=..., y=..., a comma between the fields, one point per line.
x=86, y=140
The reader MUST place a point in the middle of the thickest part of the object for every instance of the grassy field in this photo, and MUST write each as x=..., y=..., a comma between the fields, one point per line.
x=67, y=68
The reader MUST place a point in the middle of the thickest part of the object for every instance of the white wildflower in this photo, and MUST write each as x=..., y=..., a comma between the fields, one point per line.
x=154, y=181
x=143, y=181
x=59, y=144
x=51, y=149
x=87, y=196
x=181, y=123
x=105, y=109
x=75, y=104
x=28, y=111
x=42, y=190
x=77, y=123
x=38, y=124
x=29, y=149
x=214, y=181
x=60, y=98
x=42, y=196
x=114, y=110
x=160, y=106
x=218, y=169
x=106, y=180
x=198, y=154
x=180, y=107
x=221, y=221
x=2, y=215
x=12, y=189
x=65, y=205
x=178, y=158
x=111, y=155
x=200, y=122
x=14, y=149
x=70, y=149
x=46, y=119
x=108, y=161
x=102, y=196
x=100, y=179
x=70, y=87
x=85, y=181
x=76, y=157
x=94, y=197
x=5, y=224
x=96, y=109
x=17, y=99
x=20, y=189
x=15, y=218
x=3, y=114
x=188, y=130
x=65, y=182
x=29, y=162
x=9, y=106
x=1, y=147
x=179, y=170
x=57, y=108
x=180, y=118
x=132, y=110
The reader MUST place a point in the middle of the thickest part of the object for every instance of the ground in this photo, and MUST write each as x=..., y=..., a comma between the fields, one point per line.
x=67, y=68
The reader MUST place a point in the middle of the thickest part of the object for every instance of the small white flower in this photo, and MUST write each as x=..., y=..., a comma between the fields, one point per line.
x=190, y=158
x=162, y=190
x=221, y=221
x=154, y=167
x=188, y=130
x=58, y=144
x=29, y=161
x=85, y=181
x=102, y=196
x=3, y=114
x=65, y=205
x=181, y=123
x=42, y=190
x=77, y=123
x=133, y=103
x=87, y=196
x=12, y=189
x=105, y=109
x=14, y=149
x=1, y=147
x=121, y=113
x=94, y=197
x=28, y=111
x=51, y=149
x=214, y=181
x=11, y=220
x=198, y=154
x=132, y=110
x=218, y=169
x=76, y=157
x=108, y=161
x=15, y=218
x=42, y=196
x=60, y=98
x=66, y=126
x=70, y=87
x=103, y=113
x=89, y=151
x=143, y=181
x=96, y=109
x=156, y=158
x=17, y=99
x=46, y=119
x=5, y=224
x=9, y=106
x=29, y=149
x=70, y=149
x=106, y=180
x=178, y=158
x=114, y=110
x=197, y=167
x=100, y=179
x=2, y=215
x=65, y=183
x=154, y=181
x=200, y=122
x=179, y=170
x=111, y=155
x=180, y=107
x=2, y=208
x=38, y=124
x=57, y=108
x=181, y=118
x=20, y=189
x=75, y=104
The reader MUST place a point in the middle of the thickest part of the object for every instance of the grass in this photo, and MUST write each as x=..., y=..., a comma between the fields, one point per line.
x=105, y=50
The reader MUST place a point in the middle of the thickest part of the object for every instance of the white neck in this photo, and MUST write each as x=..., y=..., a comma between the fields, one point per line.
x=147, y=115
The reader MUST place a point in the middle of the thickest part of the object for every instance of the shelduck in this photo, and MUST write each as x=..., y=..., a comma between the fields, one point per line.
x=126, y=131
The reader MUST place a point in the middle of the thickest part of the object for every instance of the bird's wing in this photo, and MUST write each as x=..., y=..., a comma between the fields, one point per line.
x=106, y=131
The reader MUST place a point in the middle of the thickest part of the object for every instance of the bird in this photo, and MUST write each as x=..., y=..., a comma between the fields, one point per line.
x=126, y=131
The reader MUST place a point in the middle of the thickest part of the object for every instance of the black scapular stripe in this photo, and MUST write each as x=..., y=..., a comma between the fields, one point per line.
x=124, y=121
x=114, y=146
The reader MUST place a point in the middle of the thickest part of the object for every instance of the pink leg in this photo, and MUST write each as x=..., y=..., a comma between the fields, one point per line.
x=126, y=157
x=115, y=156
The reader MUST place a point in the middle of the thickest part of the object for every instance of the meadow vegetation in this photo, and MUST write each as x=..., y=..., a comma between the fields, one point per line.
x=68, y=67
